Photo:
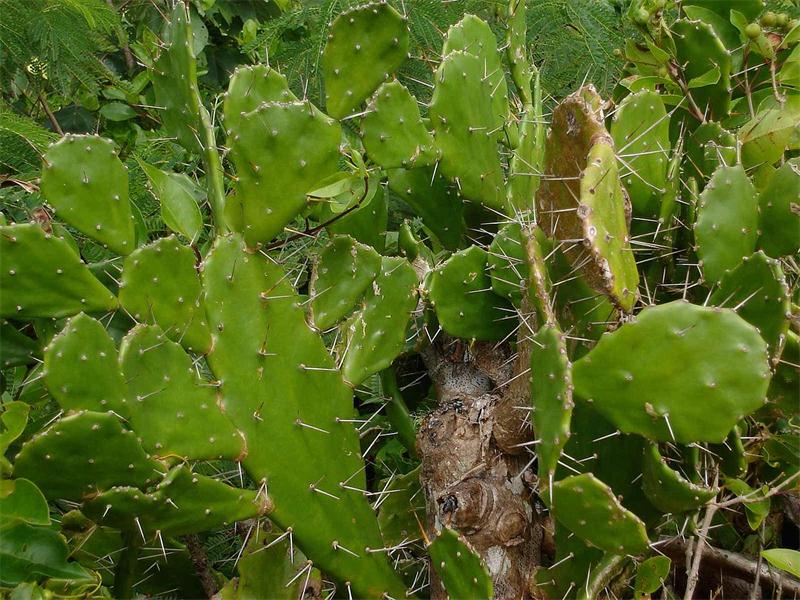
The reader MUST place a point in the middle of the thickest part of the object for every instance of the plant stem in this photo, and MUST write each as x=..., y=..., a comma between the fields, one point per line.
x=397, y=411
x=213, y=167
x=201, y=567
x=126, y=565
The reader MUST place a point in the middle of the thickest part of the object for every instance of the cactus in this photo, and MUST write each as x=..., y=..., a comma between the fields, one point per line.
x=376, y=335
x=160, y=285
x=667, y=489
x=81, y=370
x=777, y=220
x=342, y=275
x=82, y=454
x=727, y=222
x=459, y=568
x=461, y=292
x=374, y=30
x=43, y=277
x=508, y=267
x=392, y=130
x=588, y=507
x=249, y=87
x=87, y=186
x=281, y=150
x=724, y=373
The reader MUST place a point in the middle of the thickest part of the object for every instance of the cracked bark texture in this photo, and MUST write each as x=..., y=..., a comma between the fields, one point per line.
x=475, y=476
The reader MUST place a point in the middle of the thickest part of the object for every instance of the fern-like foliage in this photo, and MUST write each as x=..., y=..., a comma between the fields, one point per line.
x=571, y=40
x=22, y=143
x=57, y=41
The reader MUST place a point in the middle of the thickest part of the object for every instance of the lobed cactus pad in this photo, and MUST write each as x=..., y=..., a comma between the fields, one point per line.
x=459, y=567
x=508, y=267
x=87, y=186
x=160, y=285
x=248, y=88
x=365, y=46
x=42, y=276
x=679, y=372
x=779, y=219
x=667, y=489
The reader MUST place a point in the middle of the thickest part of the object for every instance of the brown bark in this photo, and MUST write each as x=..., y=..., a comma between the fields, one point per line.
x=471, y=483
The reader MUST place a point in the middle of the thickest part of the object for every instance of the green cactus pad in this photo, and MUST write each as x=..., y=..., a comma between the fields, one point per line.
x=699, y=51
x=392, y=129
x=574, y=560
x=525, y=166
x=667, y=489
x=757, y=291
x=160, y=285
x=376, y=335
x=708, y=147
x=183, y=503
x=581, y=199
x=41, y=276
x=733, y=459
x=508, y=266
x=87, y=186
x=342, y=274
x=640, y=129
x=367, y=223
x=431, y=197
x=462, y=114
x=403, y=509
x=281, y=151
x=173, y=411
x=604, y=226
x=587, y=507
x=365, y=46
x=726, y=229
x=551, y=396
x=461, y=292
x=474, y=36
x=679, y=372
x=779, y=222
x=174, y=77
x=81, y=370
x=249, y=86
x=281, y=385
x=83, y=454
x=459, y=567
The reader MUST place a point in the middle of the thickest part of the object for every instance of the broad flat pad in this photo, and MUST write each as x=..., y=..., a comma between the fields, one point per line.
x=83, y=454
x=42, y=276
x=605, y=230
x=463, y=118
x=474, y=36
x=376, y=335
x=183, y=503
x=341, y=275
x=580, y=197
x=667, y=489
x=757, y=291
x=87, y=186
x=174, y=77
x=459, y=567
x=435, y=200
x=281, y=151
x=587, y=507
x=726, y=229
x=640, y=129
x=365, y=46
x=780, y=220
x=250, y=85
x=461, y=293
x=699, y=50
x=173, y=411
x=160, y=285
x=551, y=396
x=508, y=266
x=679, y=372
x=392, y=129
x=81, y=369
x=279, y=383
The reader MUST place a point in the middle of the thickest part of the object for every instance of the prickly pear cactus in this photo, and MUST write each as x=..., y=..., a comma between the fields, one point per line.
x=484, y=343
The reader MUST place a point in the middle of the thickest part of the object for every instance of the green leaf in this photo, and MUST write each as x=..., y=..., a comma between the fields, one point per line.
x=117, y=111
x=785, y=559
x=13, y=420
x=179, y=197
x=650, y=575
x=21, y=499
x=755, y=511
x=32, y=553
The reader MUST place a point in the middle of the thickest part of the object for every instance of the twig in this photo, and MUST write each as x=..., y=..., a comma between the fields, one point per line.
x=691, y=581
x=50, y=115
x=200, y=561
x=732, y=563
x=126, y=51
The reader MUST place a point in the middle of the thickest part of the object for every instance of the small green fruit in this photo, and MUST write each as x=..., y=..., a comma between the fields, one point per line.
x=642, y=16
x=753, y=30
x=782, y=19
x=769, y=18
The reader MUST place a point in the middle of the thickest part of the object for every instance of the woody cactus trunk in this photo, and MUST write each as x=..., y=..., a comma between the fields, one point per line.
x=582, y=334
